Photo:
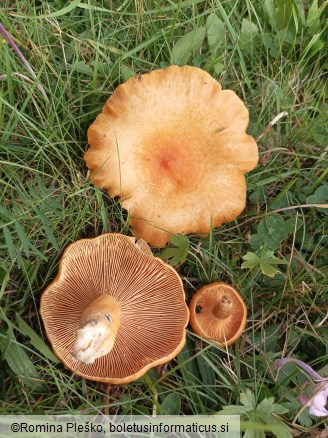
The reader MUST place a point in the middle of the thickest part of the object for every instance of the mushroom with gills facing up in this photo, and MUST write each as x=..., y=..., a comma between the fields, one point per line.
x=114, y=311
x=172, y=145
x=218, y=312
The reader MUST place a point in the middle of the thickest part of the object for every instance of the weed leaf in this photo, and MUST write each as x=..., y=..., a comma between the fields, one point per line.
x=265, y=262
x=249, y=30
x=188, y=45
x=22, y=237
x=51, y=236
x=251, y=261
x=313, y=18
x=320, y=196
x=215, y=32
x=268, y=269
x=9, y=242
x=247, y=398
x=263, y=413
x=36, y=341
x=54, y=14
x=283, y=13
x=273, y=230
x=268, y=407
x=178, y=254
x=171, y=405
x=19, y=362
x=82, y=67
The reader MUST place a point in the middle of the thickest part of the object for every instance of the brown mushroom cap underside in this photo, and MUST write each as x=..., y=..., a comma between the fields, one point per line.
x=173, y=146
x=153, y=310
x=203, y=307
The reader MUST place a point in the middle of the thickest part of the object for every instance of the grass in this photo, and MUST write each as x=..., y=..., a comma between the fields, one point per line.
x=272, y=54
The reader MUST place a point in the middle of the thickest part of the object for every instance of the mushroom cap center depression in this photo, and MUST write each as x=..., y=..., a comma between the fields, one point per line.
x=172, y=162
x=219, y=310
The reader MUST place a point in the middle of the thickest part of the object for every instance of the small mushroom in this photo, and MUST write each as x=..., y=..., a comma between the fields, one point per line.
x=114, y=311
x=172, y=145
x=218, y=312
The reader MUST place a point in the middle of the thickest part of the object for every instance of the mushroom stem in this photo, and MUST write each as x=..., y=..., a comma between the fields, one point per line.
x=99, y=326
x=223, y=308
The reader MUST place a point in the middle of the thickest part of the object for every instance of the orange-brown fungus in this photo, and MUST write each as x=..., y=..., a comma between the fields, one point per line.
x=173, y=146
x=218, y=312
x=139, y=323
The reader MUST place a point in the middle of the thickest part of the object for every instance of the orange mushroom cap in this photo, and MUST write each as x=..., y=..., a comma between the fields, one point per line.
x=173, y=146
x=218, y=312
x=145, y=301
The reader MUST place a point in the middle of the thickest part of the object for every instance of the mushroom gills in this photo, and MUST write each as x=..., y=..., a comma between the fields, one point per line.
x=97, y=333
x=218, y=312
